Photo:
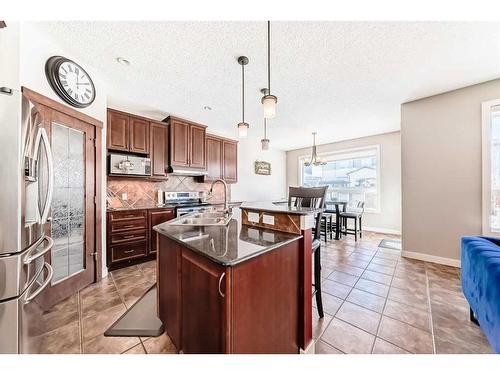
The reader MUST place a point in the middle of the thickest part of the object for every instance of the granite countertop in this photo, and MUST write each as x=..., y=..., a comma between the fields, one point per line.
x=281, y=207
x=227, y=245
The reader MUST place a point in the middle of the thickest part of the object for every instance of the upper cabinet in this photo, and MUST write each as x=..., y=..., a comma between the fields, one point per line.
x=230, y=161
x=187, y=144
x=159, y=150
x=174, y=145
x=139, y=135
x=118, y=131
x=127, y=132
x=222, y=159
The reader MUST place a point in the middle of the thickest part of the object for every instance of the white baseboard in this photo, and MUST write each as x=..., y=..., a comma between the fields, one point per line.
x=431, y=258
x=381, y=230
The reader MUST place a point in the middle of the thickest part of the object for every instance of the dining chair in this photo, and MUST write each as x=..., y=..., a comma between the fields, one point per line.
x=357, y=217
x=314, y=197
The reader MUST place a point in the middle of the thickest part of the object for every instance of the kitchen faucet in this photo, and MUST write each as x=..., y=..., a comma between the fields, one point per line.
x=227, y=211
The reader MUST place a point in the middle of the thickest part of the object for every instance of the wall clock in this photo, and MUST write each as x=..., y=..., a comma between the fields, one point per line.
x=70, y=81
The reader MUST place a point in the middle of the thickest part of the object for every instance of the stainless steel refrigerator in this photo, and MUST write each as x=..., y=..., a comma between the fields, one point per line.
x=26, y=180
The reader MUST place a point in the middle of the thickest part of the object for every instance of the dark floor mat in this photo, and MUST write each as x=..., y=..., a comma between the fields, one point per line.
x=140, y=319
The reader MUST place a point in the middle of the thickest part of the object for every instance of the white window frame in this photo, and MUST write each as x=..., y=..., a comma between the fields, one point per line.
x=330, y=156
x=486, y=110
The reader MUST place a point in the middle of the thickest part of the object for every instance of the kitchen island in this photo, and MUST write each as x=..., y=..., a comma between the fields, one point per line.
x=244, y=287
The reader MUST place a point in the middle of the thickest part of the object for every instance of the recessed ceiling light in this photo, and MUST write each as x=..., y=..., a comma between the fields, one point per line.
x=207, y=108
x=123, y=61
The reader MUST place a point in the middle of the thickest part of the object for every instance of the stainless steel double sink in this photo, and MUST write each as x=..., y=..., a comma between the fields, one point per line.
x=203, y=218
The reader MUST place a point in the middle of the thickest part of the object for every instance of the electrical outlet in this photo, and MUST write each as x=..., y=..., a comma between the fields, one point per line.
x=124, y=196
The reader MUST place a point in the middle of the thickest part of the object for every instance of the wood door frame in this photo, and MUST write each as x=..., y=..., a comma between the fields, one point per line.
x=98, y=126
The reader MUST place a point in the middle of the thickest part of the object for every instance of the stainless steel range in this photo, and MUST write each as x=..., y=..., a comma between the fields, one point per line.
x=185, y=202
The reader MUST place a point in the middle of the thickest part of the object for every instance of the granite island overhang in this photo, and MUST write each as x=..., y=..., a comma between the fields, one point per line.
x=245, y=287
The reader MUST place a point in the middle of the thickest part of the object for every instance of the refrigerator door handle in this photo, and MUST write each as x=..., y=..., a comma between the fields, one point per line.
x=42, y=287
x=30, y=258
x=50, y=167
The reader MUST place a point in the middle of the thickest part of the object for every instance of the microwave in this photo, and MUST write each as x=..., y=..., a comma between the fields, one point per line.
x=128, y=165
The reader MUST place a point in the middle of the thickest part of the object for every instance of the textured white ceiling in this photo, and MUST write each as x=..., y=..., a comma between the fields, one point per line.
x=341, y=79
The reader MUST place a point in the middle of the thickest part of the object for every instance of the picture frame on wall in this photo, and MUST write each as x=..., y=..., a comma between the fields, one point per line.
x=262, y=168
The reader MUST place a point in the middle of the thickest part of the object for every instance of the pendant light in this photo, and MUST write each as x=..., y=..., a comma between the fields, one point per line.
x=269, y=101
x=243, y=126
x=264, y=141
x=315, y=160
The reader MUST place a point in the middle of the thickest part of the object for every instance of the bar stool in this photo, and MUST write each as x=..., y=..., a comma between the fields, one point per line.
x=312, y=197
x=357, y=217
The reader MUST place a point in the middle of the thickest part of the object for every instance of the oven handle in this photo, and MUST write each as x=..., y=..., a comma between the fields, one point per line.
x=44, y=285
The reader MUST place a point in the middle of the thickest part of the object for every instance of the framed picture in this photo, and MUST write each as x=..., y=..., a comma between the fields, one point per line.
x=263, y=167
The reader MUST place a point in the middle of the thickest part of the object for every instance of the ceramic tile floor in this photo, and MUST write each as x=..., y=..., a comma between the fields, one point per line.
x=79, y=322
x=374, y=300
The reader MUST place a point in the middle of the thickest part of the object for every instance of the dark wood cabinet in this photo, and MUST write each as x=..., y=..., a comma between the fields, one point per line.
x=130, y=235
x=230, y=161
x=127, y=132
x=202, y=328
x=213, y=149
x=159, y=150
x=117, y=131
x=186, y=144
x=210, y=308
x=221, y=158
x=157, y=217
x=197, y=147
x=179, y=143
x=139, y=135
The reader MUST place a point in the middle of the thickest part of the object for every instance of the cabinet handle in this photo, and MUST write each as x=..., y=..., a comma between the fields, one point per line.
x=128, y=226
x=128, y=236
x=220, y=282
x=129, y=251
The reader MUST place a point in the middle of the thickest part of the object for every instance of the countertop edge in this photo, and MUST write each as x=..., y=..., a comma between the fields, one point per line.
x=230, y=264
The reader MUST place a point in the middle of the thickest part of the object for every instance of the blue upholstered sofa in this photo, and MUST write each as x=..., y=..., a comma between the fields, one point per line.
x=481, y=284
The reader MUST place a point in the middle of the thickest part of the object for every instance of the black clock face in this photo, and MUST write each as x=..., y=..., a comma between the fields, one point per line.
x=70, y=81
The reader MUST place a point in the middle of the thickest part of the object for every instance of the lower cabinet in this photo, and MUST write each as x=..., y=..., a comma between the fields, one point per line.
x=130, y=237
x=203, y=305
x=157, y=217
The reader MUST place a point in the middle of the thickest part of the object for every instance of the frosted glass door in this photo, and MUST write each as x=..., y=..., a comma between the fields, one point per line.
x=68, y=213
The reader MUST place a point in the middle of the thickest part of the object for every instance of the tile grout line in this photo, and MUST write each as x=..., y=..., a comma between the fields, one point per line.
x=430, y=308
x=383, y=308
x=80, y=322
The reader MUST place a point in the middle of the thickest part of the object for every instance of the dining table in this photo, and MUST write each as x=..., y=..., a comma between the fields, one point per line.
x=340, y=206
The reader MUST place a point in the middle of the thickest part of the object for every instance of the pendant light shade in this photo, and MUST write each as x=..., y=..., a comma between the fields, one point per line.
x=243, y=126
x=315, y=160
x=265, y=141
x=269, y=106
x=269, y=101
x=243, y=129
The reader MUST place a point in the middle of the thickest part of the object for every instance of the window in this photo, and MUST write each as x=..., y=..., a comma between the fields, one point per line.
x=491, y=167
x=351, y=175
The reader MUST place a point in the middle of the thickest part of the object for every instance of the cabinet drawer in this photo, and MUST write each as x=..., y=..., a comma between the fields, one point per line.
x=129, y=236
x=128, y=225
x=128, y=215
x=129, y=251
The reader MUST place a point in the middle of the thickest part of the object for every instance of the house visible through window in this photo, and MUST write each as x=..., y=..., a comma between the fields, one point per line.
x=350, y=175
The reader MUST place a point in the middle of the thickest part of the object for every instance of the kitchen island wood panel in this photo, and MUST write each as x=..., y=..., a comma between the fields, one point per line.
x=252, y=307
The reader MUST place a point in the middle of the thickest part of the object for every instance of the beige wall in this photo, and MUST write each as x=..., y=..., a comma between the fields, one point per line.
x=441, y=171
x=389, y=218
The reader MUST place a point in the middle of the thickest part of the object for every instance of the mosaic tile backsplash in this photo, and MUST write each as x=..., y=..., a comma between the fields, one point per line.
x=141, y=193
